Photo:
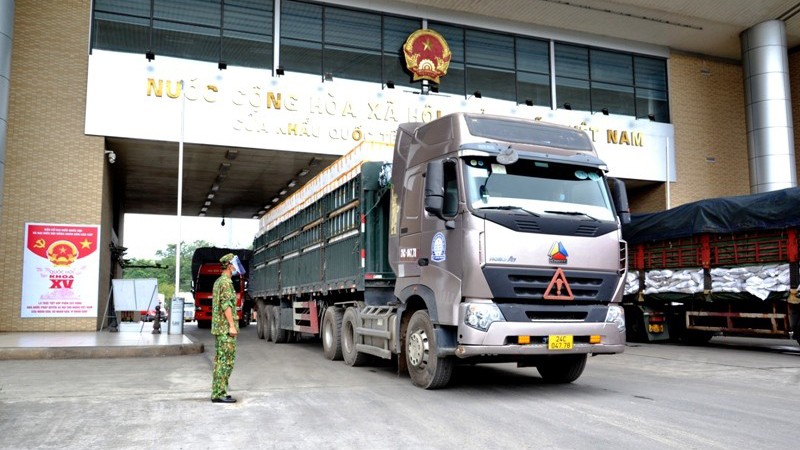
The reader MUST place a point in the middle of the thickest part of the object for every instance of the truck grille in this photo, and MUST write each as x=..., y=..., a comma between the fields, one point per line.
x=510, y=285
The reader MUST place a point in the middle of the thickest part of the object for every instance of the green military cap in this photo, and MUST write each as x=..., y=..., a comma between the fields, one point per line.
x=225, y=260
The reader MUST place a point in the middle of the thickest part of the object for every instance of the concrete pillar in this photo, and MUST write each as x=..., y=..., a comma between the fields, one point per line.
x=770, y=138
x=6, y=34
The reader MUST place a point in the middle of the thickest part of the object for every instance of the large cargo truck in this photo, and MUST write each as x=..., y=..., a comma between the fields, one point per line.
x=478, y=239
x=205, y=271
x=716, y=266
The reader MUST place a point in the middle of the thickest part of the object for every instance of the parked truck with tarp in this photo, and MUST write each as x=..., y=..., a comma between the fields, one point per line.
x=476, y=239
x=724, y=265
x=205, y=271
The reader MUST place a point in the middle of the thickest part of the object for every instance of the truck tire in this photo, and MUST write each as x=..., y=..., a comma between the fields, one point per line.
x=426, y=370
x=203, y=324
x=278, y=335
x=260, y=320
x=562, y=369
x=267, y=322
x=331, y=333
x=351, y=356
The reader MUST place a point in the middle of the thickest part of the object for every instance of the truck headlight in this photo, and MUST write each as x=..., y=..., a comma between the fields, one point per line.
x=616, y=315
x=481, y=315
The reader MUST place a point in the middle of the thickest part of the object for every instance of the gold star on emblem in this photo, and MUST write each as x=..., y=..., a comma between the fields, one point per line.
x=86, y=243
x=426, y=45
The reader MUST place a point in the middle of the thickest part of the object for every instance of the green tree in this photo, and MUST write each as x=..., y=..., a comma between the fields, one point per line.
x=163, y=268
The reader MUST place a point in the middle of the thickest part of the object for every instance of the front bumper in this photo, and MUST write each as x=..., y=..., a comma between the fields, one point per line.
x=502, y=337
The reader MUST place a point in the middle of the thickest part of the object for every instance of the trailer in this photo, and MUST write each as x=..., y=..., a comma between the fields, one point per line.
x=717, y=266
x=476, y=239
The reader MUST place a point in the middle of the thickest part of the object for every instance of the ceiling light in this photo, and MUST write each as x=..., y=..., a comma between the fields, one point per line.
x=275, y=199
x=254, y=216
x=302, y=173
x=292, y=183
x=210, y=196
x=207, y=203
x=282, y=192
x=214, y=187
x=231, y=154
x=224, y=167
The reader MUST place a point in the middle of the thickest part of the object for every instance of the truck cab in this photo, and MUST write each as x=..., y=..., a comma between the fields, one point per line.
x=506, y=236
x=203, y=290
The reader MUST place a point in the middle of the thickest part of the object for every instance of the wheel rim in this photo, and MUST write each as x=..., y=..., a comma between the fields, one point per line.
x=347, y=337
x=418, y=349
x=327, y=334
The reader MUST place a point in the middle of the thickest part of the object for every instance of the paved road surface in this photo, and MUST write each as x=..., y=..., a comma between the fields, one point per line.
x=731, y=394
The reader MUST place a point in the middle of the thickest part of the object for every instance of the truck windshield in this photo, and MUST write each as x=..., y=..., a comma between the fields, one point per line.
x=205, y=283
x=538, y=187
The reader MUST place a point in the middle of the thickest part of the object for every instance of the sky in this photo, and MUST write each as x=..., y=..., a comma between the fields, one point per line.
x=145, y=234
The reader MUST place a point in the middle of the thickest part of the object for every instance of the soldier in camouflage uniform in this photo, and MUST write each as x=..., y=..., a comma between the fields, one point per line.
x=225, y=328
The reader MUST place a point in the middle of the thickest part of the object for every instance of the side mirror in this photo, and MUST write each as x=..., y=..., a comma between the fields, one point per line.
x=434, y=189
x=620, y=196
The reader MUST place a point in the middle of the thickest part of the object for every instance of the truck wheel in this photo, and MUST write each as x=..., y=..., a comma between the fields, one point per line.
x=278, y=335
x=203, y=324
x=331, y=333
x=351, y=356
x=267, y=315
x=427, y=370
x=260, y=320
x=562, y=369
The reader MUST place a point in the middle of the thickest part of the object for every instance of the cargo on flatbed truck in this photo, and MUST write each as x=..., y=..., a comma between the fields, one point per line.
x=724, y=265
x=478, y=239
x=205, y=271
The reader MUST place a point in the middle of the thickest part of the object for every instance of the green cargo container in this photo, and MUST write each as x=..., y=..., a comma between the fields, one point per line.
x=338, y=243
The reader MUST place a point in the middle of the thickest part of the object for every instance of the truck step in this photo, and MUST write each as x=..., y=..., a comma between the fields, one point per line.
x=375, y=351
x=374, y=333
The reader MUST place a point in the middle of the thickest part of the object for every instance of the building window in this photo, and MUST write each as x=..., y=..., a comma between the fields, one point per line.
x=344, y=43
x=237, y=32
x=593, y=79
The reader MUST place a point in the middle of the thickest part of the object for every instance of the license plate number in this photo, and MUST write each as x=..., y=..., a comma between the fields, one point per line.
x=559, y=342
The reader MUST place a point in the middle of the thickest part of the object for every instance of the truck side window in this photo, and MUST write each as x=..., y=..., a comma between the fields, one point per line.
x=450, y=190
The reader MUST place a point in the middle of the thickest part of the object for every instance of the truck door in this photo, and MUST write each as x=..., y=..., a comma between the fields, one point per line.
x=410, y=216
x=441, y=245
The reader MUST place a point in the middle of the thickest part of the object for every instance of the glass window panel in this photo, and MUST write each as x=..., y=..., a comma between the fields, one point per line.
x=238, y=18
x=650, y=72
x=354, y=65
x=454, y=36
x=618, y=99
x=489, y=49
x=491, y=83
x=139, y=8
x=453, y=82
x=352, y=28
x=301, y=56
x=301, y=21
x=186, y=41
x=533, y=86
x=247, y=49
x=201, y=12
x=128, y=36
x=533, y=55
x=654, y=102
x=572, y=61
x=572, y=91
x=611, y=67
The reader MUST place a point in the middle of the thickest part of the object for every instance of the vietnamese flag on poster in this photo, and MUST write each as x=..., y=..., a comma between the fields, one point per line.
x=60, y=271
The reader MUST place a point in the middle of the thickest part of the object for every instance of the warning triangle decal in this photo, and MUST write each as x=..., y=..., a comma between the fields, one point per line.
x=562, y=290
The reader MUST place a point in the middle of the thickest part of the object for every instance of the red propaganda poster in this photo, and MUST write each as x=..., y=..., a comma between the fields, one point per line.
x=60, y=271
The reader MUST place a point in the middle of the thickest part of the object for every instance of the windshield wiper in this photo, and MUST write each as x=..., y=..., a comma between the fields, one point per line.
x=510, y=208
x=573, y=213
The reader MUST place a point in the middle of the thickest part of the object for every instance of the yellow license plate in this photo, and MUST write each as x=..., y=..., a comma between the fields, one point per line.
x=559, y=342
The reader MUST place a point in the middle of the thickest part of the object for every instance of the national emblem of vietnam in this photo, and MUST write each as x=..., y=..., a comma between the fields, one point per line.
x=427, y=55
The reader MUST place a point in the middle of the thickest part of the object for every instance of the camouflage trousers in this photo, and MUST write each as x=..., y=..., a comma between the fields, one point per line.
x=225, y=353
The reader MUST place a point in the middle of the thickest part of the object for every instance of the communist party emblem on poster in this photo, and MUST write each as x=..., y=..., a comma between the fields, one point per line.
x=427, y=55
